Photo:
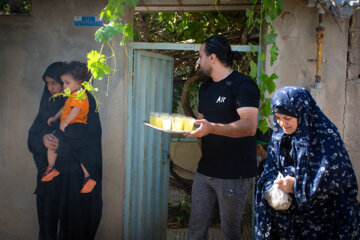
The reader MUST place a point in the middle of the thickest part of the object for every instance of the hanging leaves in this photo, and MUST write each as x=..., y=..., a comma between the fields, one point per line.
x=269, y=11
x=97, y=62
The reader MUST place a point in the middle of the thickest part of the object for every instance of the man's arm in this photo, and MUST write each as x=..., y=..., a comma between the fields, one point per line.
x=244, y=127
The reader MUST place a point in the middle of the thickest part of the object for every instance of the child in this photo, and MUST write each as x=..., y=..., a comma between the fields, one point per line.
x=73, y=119
x=262, y=141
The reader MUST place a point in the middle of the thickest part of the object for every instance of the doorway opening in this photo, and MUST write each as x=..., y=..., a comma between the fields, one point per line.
x=184, y=152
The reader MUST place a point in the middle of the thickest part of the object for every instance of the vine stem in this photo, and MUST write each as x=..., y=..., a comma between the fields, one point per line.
x=260, y=34
x=114, y=57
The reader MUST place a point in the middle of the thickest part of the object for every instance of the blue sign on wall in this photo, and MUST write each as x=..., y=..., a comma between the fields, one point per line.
x=87, y=21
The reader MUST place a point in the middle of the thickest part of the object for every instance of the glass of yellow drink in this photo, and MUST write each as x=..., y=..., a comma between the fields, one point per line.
x=189, y=123
x=178, y=123
x=158, y=120
x=152, y=118
x=166, y=121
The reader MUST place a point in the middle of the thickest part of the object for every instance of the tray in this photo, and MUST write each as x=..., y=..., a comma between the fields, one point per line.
x=166, y=130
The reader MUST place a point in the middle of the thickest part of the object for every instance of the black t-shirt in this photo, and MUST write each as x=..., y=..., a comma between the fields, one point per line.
x=226, y=157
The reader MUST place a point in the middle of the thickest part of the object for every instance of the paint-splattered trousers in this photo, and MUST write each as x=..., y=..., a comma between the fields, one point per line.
x=231, y=196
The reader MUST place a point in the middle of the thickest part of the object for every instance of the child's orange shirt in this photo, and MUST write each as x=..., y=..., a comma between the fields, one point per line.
x=71, y=102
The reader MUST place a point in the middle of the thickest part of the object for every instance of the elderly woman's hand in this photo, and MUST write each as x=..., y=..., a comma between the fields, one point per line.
x=50, y=141
x=286, y=184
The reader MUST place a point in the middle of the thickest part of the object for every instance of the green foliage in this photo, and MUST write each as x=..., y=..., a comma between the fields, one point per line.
x=24, y=8
x=269, y=11
x=178, y=215
x=186, y=26
x=97, y=61
x=97, y=65
x=253, y=69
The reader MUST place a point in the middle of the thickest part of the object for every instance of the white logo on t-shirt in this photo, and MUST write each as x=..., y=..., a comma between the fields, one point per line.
x=220, y=99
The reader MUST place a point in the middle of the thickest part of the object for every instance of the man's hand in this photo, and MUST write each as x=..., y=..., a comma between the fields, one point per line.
x=50, y=141
x=286, y=184
x=205, y=128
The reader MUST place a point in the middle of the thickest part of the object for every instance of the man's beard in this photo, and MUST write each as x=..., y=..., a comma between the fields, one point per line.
x=205, y=72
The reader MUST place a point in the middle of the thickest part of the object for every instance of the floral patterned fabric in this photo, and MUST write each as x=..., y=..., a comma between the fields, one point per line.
x=324, y=202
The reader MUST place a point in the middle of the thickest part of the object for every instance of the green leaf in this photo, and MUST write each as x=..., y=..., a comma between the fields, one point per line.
x=271, y=37
x=249, y=13
x=252, y=49
x=262, y=126
x=268, y=18
x=265, y=109
x=268, y=4
x=253, y=69
x=263, y=77
x=120, y=10
x=104, y=33
x=271, y=86
x=131, y=3
x=262, y=57
x=128, y=33
x=273, y=54
x=106, y=69
x=262, y=87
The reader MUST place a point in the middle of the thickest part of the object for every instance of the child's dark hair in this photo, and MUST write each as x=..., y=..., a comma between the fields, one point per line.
x=220, y=46
x=77, y=70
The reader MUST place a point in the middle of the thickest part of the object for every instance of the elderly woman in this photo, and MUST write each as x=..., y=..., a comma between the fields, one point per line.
x=307, y=149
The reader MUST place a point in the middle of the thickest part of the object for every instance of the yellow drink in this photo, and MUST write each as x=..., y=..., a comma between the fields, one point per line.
x=178, y=124
x=152, y=120
x=158, y=121
x=166, y=122
x=189, y=124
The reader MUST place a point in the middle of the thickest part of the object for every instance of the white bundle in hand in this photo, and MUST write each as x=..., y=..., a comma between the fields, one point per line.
x=277, y=198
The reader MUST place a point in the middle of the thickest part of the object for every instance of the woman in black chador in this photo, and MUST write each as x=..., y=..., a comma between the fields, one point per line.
x=47, y=193
x=59, y=202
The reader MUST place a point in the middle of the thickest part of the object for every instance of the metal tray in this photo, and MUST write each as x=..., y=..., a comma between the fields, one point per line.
x=166, y=130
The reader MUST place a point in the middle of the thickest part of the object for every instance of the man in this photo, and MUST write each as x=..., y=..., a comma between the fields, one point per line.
x=228, y=109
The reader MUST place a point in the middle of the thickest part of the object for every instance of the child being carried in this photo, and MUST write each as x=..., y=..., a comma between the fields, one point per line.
x=73, y=120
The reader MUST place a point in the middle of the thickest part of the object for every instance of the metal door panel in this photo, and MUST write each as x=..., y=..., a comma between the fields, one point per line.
x=150, y=90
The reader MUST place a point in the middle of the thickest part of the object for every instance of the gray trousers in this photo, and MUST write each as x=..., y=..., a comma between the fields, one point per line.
x=231, y=196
